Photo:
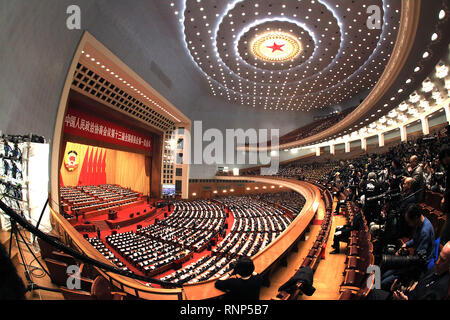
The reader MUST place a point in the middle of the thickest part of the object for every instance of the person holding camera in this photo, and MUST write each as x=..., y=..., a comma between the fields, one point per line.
x=417, y=174
x=422, y=242
x=243, y=283
x=371, y=189
x=431, y=285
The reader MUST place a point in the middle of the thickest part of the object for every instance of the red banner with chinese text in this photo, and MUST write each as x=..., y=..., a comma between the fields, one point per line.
x=85, y=125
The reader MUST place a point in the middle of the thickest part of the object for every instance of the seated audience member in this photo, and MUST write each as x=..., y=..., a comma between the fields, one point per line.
x=422, y=242
x=243, y=284
x=431, y=285
x=11, y=285
x=343, y=233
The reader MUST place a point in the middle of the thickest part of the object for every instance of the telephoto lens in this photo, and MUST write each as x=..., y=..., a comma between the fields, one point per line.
x=389, y=261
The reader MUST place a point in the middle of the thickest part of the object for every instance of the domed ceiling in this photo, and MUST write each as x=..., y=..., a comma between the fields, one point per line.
x=293, y=55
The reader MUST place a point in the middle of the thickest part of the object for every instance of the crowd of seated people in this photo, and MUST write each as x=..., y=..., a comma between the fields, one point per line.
x=83, y=199
x=290, y=200
x=147, y=255
x=100, y=246
x=256, y=224
x=315, y=127
x=191, y=225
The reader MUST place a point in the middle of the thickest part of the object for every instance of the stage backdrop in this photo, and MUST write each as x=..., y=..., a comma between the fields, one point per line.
x=88, y=165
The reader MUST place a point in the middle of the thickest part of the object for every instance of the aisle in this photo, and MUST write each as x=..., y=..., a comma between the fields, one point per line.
x=329, y=274
x=294, y=260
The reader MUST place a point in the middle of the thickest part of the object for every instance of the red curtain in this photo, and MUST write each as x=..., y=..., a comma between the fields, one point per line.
x=103, y=168
x=94, y=169
x=84, y=175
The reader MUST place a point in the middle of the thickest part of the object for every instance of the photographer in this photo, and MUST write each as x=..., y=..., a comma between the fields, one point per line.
x=409, y=197
x=243, y=283
x=422, y=243
x=431, y=285
x=342, y=233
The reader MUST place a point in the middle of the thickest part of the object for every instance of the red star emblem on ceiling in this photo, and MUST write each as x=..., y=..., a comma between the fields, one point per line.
x=276, y=47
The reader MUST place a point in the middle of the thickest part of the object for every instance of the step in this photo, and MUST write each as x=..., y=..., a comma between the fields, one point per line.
x=4, y=239
x=15, y=257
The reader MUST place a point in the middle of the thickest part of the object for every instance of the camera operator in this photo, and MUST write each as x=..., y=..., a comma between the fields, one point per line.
x=444, y=159
x=422, y=243
x=243, y=283
x=370, y=189
x=433, y=284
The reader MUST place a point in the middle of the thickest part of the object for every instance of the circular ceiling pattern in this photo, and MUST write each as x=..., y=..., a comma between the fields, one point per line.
x=276, y=47
x=294, y=55
x=295, y=32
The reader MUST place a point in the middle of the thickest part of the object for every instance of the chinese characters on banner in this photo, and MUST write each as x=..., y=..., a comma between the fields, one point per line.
x=82, y=124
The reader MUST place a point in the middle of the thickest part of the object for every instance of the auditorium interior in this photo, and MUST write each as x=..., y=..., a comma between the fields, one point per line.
x=150, y=148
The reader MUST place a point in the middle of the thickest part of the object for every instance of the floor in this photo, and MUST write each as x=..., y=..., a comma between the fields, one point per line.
x=37, y=275
x=329, y=274
x=294, y=260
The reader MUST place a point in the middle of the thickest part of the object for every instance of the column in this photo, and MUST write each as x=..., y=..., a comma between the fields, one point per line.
x=317, y=151
x=381, y=140
x=332, y=149
x=364, y=144
x=447, y=112
x=425, y=126
x=347, y=146
x=403, y=134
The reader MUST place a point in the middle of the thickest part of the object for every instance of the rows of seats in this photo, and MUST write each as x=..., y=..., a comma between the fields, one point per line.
x=291, y=200
x=208, y=267
x=315, y=127
x=147, y=255
x=359, y=256
x=256, y=224
x=105, y=251
x=192, y=225
x=89, y=198
x=92, y=285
